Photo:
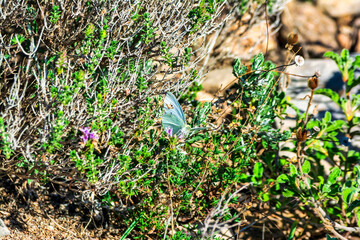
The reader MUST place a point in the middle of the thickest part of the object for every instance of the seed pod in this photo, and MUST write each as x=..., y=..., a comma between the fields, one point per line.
x=313, y=82
x=292, y=39
x=301, y=135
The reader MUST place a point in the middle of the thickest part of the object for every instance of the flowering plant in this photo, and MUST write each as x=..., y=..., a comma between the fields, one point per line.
x=88, y=135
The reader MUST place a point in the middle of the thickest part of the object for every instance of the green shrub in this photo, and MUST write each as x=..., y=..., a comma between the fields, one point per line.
x=82, y=88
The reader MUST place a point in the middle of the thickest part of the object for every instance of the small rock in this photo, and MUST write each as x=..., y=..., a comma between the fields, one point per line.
x=4, y=231
x=316, y=30
x=252, y=42
x=336, y=8
x=345, y=37
x=203, y=96
x=345, y=20
x=243, y=42
x=356, y=22
x=357, y=46
x=218, y=79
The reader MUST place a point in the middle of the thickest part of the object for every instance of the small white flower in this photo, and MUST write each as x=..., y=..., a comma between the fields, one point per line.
x=299, y=60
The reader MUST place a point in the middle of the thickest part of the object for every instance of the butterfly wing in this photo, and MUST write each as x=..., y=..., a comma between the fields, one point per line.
x=174, y=117
x=176, y=108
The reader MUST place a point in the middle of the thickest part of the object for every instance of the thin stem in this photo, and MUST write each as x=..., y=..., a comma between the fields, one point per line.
x=328, y=224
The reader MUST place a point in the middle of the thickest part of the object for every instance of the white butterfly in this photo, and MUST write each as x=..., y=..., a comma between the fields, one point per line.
x=173, y=120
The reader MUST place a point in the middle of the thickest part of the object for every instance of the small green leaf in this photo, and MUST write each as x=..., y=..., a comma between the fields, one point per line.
x=353, y=205
x=265, y=197
x=130, y=228
x=306, y=167
x=327, y=117
x=345, y=55
x=258, y=170
x=293, y=170
x=288, y=193
x=311, y=124
x=292, y=230
x=329, y=93
x=321, y=180
x=196, y=138
x=238, y=69
x=348, y=193
x=353, y=83
x=333, y=56
x=357, y=61
x=335, y=125
x=356, y=120
x=259, y=60
x=244, y=177
x=335, y=173
x=283, y=178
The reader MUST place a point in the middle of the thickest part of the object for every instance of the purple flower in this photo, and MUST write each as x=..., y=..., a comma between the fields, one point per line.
x=85, y=130
x=169, y=131
x=93, y=135
x=84, y=138
x=87, y=134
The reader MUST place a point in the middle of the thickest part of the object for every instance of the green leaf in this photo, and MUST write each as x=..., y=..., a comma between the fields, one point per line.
x=333, y=56
x=312, y=123
x=292, y=230
x=244, y=177
x=238, y=69
x=288, y=193
x=353, y=205
x=306, y=167
x=335, y=125
x=356, y=120
x=353, y=83
x=283, y=178
x=335, y=173
x=327, y=117
x=258, y=170
x=197, y=138
x=293, y=170
x=356, y=61
x=348, y=193
x=345, y=55
x=329, y=93
x=265, y=197
x=326, y=188
x=321, y=180
x=258, y=61
x=130, y=228
x=357, y=167
x=201, y=113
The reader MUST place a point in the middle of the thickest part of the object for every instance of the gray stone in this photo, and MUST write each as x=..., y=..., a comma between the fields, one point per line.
x=316, y=30
x=330, y=78
x=4, y=231
x=336, y=8
x=218, y=79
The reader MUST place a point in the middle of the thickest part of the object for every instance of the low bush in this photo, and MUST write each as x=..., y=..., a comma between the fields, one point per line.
x=82, y=88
